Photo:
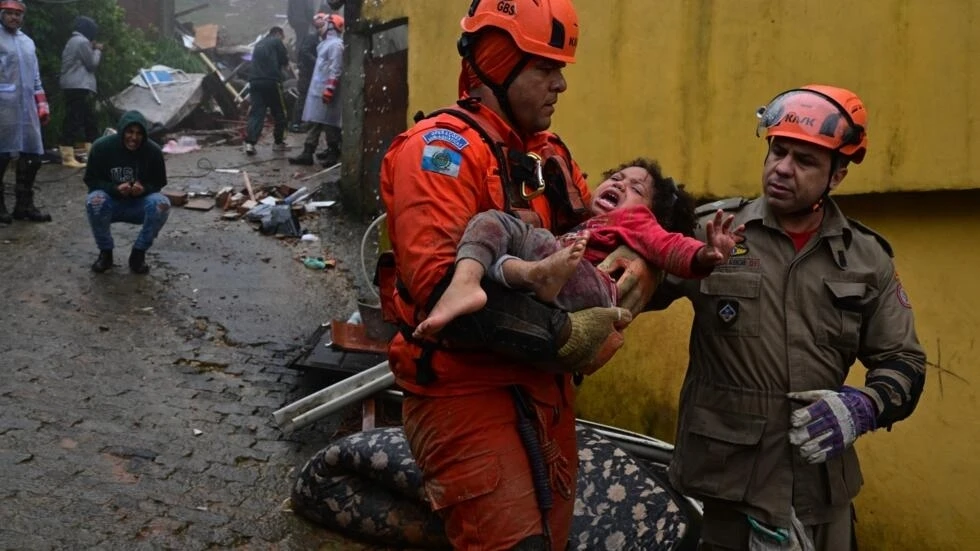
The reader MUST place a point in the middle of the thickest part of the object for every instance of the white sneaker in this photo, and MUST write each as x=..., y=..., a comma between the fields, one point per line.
x=280, y=147
x=249, y=149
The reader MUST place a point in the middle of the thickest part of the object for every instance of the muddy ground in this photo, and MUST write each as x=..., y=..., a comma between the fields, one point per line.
x=136, y=411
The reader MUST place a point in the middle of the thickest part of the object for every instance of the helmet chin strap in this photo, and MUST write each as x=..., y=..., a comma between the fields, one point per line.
x=815, y=207
x=500, y=90
x=812, y=208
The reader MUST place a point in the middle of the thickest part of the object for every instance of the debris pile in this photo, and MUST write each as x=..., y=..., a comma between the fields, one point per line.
x=273, y=209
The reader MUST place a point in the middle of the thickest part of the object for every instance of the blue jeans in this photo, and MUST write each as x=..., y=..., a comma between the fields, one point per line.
x=150, y=210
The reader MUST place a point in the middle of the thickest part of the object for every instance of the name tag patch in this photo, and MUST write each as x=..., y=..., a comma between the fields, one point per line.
x=448, y=136
x=441, y=160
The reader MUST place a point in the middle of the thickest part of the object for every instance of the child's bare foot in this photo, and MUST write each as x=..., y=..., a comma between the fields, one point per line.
x=547, y=276
x=464, y=295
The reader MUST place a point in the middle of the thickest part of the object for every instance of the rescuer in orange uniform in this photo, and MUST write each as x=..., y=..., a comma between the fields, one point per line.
x=493, y=432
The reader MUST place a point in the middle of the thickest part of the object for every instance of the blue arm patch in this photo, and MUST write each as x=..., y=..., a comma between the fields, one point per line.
x=441, y=160
x=447, y=136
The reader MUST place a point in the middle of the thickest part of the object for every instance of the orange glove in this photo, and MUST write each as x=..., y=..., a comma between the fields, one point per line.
x=43, y=110
x=329, y=89
x=635, y=279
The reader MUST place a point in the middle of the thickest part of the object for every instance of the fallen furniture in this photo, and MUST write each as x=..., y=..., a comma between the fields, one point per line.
x=165, y=101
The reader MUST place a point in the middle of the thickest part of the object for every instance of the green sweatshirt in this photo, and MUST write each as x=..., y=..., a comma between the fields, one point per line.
x=110, y=163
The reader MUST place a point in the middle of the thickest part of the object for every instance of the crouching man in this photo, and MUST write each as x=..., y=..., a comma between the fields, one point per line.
x=125, y=174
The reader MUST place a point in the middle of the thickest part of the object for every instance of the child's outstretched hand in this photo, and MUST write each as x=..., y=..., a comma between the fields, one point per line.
x=721, y=238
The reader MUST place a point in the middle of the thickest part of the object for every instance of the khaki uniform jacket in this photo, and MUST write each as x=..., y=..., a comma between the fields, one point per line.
x=773, y=321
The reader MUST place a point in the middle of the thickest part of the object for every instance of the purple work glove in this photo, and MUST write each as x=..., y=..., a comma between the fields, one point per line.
x=831, y=423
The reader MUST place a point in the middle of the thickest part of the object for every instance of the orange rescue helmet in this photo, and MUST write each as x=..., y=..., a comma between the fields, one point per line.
x=15, y=5
x=831, y=117
x=336, y=21
x=545, y=28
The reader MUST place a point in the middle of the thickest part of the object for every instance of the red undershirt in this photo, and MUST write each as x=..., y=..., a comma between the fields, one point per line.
x=801, y=239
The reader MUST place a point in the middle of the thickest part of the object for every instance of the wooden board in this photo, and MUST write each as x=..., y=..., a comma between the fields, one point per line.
x=352, y=337
x=200, y=203
x=206, y=36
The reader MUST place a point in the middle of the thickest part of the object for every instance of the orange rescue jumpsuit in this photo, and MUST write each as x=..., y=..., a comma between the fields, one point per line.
x=462, y=426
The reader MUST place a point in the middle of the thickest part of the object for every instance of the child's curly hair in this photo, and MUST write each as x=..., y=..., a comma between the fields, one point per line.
x=672, y=206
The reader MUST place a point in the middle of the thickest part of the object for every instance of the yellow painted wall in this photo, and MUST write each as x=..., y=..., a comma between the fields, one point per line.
x=680, y=80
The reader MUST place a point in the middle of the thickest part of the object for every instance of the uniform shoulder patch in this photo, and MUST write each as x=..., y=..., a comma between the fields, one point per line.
x=441, y=160
x=731, y=204
x=446, y=135
x=866, y=230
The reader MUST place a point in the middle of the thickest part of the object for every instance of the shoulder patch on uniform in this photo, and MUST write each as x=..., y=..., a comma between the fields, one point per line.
x=866, y=230
x=903, y=297
x=441, y=160
x=734, y=203
x=446, y=135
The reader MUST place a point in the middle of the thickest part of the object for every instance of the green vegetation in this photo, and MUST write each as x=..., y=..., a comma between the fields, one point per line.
x=126, y=50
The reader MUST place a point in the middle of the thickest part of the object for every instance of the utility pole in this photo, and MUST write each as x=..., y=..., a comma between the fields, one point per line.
x=359, y=197
x=166, y=11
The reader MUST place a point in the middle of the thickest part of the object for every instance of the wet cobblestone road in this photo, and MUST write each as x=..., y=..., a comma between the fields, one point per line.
x=135, y=411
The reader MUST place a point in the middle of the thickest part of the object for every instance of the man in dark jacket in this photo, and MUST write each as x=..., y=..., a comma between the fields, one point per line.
x=269, y=58
x=79, y=60
x=125, y=174
x=306, y=45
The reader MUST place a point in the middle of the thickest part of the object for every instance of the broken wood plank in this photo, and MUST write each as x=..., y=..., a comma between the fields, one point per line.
x=248, y=186
x=223, y=196
x=177, y=198
x=322, y=172
x=200, y=203
x=367, y=414
x=285, y=190
x=207, y=61
x=246, y=206
x=206, y=36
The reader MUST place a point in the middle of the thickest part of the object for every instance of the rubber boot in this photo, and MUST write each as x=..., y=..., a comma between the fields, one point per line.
x=87, y=146
x=304, y=158
x=68, y=159
x=4, y=215
x=137, y=262
x=332, y=157
x=24, y=209
x=103, y=263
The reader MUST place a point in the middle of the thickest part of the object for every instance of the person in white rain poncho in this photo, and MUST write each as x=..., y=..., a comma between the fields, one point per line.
x=323, y=99
x=25, y=109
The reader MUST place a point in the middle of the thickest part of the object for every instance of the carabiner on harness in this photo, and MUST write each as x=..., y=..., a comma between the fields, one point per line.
x=538, y=175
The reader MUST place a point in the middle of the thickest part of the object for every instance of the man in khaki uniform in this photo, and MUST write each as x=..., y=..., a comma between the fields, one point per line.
x=766, y=423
